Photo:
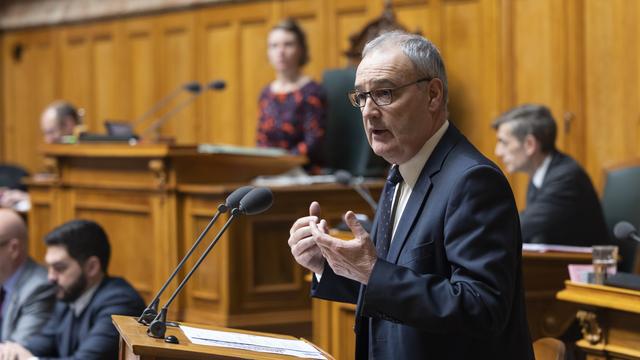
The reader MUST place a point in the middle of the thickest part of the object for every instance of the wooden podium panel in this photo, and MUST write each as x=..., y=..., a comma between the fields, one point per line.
x=610, y=320
x=252, y=280
x=543, y=273
x=154, y=200
x=135, y=344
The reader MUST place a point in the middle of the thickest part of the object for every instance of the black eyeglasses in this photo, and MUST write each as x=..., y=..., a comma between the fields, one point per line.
x=380, y=97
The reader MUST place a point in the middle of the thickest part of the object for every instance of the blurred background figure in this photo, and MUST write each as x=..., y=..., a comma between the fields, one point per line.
x=13, y=193
x=292, y=108
x=58, y=120
x=26, y=296
x=562, y=205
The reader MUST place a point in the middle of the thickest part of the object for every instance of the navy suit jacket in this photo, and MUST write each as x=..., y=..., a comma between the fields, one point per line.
x=566, y=209
x=451, y=285
x=97, y=337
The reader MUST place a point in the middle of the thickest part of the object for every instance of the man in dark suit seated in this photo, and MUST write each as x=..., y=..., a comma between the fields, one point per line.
x=562, y=206
x=440, y=275
x=26, y=297
x=80, y=328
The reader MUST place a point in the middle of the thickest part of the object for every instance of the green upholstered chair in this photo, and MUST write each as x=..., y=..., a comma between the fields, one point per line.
x=621, y=201
x=346, y=145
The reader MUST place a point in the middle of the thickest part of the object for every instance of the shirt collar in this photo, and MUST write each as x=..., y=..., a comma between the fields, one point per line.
x=541, y=171
x=411, y=169
x=83, y=301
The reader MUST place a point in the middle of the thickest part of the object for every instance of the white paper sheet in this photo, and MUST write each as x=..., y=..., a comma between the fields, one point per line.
x=266, y=344
x=556, y=248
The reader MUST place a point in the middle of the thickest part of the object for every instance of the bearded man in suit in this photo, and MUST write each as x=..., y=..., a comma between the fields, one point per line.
x=77, y=256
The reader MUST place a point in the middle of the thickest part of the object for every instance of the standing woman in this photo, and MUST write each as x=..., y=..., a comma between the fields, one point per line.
x=292, y=108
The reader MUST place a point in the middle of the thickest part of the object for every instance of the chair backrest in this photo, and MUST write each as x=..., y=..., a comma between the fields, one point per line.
x=11, y=176
x=346, y=145
x=621, y=201
x=548, y=348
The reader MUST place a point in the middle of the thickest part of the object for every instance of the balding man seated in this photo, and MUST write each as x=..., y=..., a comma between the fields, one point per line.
x=26, y=296
x=58, y=120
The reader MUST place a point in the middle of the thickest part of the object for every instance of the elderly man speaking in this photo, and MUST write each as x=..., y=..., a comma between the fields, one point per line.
x=439, y=277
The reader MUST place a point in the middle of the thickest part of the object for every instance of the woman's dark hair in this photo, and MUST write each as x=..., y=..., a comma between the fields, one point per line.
x=292, y=26
x=82, y=239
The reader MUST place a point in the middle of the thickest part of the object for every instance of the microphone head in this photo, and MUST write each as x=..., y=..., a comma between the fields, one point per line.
x=256, y=201
x=217, y=85
x=233, y=200
x=343, y=177
x=193, y=87
x=623, y=230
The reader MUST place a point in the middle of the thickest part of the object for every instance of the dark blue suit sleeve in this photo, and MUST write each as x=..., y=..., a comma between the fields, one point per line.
x=481, y=238
x=335, y=287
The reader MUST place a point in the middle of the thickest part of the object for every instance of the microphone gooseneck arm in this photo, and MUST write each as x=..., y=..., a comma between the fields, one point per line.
x=151, y=311
x=364, y=193
x=158, y=327
x=160, y=121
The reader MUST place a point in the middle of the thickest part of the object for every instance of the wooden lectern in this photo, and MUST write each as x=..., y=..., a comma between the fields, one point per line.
x=610, y=320
x=135, y=344
x=154, y=200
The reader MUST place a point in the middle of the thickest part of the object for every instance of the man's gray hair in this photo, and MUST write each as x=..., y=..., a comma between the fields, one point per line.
x=424, y=55
x=531, y=119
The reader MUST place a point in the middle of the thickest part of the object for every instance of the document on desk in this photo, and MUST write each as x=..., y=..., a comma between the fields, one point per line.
x=241, y=341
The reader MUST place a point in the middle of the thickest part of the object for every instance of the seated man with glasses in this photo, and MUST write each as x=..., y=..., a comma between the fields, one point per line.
x=439, y=277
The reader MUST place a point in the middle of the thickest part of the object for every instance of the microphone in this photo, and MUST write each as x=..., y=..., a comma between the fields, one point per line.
x=345, y=178
x=217, y=85
x=625, y=230
x=256, y=201
x=192, y=87
x=232, y=202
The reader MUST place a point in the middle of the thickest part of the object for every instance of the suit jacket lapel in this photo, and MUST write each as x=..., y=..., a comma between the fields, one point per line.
x=12, y=302
x=66, y=333
x=421, y=191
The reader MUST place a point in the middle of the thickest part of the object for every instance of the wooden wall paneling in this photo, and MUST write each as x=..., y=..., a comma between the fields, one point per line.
x=345, y=17
x=611, y=73
x=206, y=297
x=234, y=41
x=217, y=38
x=343, y=340
x=255, y=71
x=573, y=120
x=311, y=15
x=76, y=72
x=109, y=84
x=177, y=66
x=468, y=46
x=29, y=85
x=417, y=16
x=43, y=216
x=141, y=75
x=165, y=235
x=124, y=216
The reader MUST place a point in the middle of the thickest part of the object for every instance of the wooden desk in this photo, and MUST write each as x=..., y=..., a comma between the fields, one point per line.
x=135, y=344
x=153, y=201
x=544, y=275
x=610, y=320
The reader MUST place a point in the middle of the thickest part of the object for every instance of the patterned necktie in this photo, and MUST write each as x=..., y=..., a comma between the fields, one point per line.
x=385, y=222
